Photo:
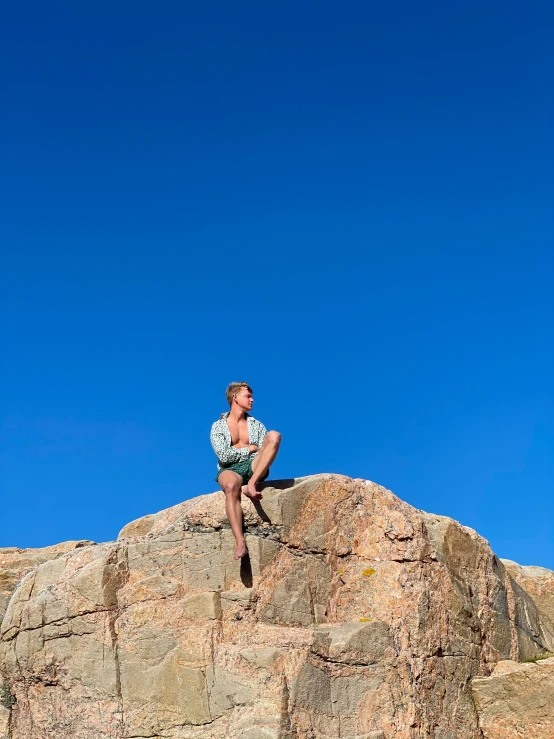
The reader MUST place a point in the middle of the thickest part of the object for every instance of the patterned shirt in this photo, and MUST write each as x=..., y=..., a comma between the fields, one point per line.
x=220, y=437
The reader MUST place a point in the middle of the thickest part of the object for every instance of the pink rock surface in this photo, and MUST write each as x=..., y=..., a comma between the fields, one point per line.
x=355, y=616
x=15, y=563
x=517, y=701
x=539, y=583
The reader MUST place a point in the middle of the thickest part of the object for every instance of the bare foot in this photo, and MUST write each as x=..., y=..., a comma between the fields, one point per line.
x=241, y=551
x=252, y=493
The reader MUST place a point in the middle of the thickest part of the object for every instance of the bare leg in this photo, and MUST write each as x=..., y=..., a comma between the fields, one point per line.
x=231, y=484
x=263, y=461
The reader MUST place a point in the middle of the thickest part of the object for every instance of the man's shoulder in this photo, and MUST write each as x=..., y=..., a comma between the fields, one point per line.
x=222, y=419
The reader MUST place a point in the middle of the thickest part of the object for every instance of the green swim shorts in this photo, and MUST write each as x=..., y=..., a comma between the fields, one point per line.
x=243, y=468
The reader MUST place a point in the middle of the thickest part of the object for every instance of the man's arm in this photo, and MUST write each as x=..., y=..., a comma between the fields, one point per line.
x=260, y=433
x=226, y=453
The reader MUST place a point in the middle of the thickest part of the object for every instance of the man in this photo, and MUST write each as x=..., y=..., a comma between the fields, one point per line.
x=245, y=450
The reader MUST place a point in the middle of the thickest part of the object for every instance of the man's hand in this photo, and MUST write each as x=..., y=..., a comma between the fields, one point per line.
x=252, y=448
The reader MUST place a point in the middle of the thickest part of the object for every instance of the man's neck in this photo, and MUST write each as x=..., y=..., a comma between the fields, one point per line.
x=237, y=414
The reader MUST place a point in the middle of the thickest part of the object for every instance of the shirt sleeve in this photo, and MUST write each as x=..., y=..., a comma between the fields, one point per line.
x=226, y=454
x=262, y=431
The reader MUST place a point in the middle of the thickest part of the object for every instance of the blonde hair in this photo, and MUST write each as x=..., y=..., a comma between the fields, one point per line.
x=234, y=388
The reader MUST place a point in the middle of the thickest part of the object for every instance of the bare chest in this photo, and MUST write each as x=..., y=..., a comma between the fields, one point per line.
x=239, y=432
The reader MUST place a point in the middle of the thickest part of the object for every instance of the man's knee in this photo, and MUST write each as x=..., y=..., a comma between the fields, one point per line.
x=232, y=489
x=273, y=437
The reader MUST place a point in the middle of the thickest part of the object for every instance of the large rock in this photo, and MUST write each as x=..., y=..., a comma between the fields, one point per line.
x=15, y=563
x=539, y=583
x=355, y=616
x=517, y=701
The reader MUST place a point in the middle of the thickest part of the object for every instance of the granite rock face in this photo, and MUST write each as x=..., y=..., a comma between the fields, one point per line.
x=15, y=563
x=356, y=616
x=539, y=583
x=517, y=700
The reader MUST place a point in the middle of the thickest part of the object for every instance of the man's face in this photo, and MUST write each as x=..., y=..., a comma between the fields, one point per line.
x=244, y=399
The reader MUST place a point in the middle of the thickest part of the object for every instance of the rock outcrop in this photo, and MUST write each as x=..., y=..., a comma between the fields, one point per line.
x=356, y=616
x=517, y=700
x=539, y=583
x=15, y=563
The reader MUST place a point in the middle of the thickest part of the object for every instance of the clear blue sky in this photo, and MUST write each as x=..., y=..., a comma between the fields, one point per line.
x=347, y=205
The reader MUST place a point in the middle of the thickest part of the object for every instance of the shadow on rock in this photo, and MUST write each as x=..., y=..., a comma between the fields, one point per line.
x=246, y=571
